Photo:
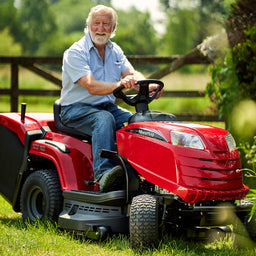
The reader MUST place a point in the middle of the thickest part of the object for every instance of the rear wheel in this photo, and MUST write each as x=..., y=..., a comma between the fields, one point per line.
x=41, y=196
x=144, y=221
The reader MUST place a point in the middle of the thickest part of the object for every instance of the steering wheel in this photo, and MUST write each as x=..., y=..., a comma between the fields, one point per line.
x=143, y=93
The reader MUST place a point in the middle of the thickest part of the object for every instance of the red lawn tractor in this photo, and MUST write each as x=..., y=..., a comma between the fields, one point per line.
x=177, y=175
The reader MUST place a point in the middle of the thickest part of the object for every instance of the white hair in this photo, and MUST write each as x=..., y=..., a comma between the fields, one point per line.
x=107, y=9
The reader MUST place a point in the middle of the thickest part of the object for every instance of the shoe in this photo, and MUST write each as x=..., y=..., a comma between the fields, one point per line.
x=109, y=178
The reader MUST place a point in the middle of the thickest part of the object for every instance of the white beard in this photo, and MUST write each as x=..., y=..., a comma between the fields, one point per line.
x=99, y=38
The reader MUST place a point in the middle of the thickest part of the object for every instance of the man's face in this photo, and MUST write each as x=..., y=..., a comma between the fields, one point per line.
x=101, y=27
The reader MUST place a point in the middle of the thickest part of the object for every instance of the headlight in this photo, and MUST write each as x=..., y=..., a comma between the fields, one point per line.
x=186, y=140
x=230, y=141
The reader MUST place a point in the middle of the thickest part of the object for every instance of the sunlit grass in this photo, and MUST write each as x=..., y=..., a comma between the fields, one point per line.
x=45, y=238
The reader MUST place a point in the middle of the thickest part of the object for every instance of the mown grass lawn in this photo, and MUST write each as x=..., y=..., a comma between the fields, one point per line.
x=18, y=238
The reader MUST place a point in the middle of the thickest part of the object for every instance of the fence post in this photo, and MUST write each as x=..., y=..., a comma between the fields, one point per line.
x=14, y=87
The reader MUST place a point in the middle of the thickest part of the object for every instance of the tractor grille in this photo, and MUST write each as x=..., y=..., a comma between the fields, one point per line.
x=218, y=174
x=84, y=208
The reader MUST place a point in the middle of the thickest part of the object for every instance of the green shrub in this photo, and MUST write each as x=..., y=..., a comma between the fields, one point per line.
x=248, y=155
x=234, y=79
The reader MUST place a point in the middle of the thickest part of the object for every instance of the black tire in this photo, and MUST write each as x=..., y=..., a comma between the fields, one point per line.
x=41, y=196
x=250, y=225
x=144, y=221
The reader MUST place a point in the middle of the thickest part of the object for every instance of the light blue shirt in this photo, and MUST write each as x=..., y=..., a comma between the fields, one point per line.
x=81, y=59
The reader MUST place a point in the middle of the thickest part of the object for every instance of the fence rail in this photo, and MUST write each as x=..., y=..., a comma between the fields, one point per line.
x=171, y=63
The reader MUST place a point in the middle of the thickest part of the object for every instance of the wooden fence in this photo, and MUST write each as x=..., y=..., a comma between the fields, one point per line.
x=172, y=63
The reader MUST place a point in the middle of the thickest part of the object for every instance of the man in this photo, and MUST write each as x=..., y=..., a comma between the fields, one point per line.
x=92, y=68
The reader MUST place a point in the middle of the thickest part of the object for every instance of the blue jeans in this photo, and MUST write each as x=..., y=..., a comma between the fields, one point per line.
x=101, y=122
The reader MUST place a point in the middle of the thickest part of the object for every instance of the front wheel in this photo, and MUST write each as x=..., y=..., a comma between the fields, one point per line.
x=144, y=221
x=41, y=196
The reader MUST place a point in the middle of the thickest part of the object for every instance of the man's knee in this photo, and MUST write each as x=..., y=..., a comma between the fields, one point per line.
x=105, y=118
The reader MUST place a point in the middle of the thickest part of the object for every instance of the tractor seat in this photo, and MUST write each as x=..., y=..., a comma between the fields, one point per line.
x=65, y=129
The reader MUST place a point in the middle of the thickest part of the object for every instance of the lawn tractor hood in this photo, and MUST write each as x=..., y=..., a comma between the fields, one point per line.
x=196, y=162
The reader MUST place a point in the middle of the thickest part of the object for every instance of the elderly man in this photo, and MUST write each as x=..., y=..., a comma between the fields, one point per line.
x=92, y=69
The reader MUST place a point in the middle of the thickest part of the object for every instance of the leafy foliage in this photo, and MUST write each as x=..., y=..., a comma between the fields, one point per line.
x=248, y=153
x=70, y=15
x=223, y=89
x=36, y=24
x=234, y=79
x=245, y=57
x=136, y=41
x=48, y=27
x=189, y=22
x=182, y=20
x=6, y=41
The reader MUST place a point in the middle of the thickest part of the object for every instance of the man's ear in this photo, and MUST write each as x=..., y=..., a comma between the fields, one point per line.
x=113, y=28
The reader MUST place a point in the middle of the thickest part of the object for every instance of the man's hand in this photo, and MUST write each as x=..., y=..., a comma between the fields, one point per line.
x=153, y=88
x=129, y=81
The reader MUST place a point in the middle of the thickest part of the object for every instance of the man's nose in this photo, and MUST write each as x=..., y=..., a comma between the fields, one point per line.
x=101, y=27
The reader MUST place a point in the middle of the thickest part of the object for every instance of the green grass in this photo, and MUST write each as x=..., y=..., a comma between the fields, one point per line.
x=45, y=238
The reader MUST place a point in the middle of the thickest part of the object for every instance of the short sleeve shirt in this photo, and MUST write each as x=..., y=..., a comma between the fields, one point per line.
x=81, y=59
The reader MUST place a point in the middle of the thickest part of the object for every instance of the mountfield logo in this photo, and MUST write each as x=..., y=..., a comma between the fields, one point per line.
x=147, y=133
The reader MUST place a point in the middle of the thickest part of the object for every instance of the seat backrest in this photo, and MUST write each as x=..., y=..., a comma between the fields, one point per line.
x=65, y=129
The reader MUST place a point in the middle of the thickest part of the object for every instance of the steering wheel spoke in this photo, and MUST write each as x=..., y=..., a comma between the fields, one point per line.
x=143, y=97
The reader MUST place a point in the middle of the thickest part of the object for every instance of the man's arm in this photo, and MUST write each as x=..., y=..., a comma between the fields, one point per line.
x=129, y=80
x=94, y=87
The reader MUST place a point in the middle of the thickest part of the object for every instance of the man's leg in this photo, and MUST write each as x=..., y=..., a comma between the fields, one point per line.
x=100, y=125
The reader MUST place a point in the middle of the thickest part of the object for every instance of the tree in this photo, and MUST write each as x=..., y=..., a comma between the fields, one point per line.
x=7, y=12
x=189, y=23
x=234, y=79
x=71, y=14
x=8, y=18
x=135, y=33
x=181, y=31
x=36, y=24
x=7, y=44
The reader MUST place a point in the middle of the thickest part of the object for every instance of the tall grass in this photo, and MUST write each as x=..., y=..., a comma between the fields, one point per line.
x=45, y=238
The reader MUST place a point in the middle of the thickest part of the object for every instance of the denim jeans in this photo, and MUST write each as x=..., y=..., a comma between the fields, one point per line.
x=101, y=122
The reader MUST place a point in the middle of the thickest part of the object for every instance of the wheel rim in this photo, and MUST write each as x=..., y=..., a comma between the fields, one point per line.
x=36, y=202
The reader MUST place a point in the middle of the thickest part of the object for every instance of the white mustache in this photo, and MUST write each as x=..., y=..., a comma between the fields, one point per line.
x=100, y=34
